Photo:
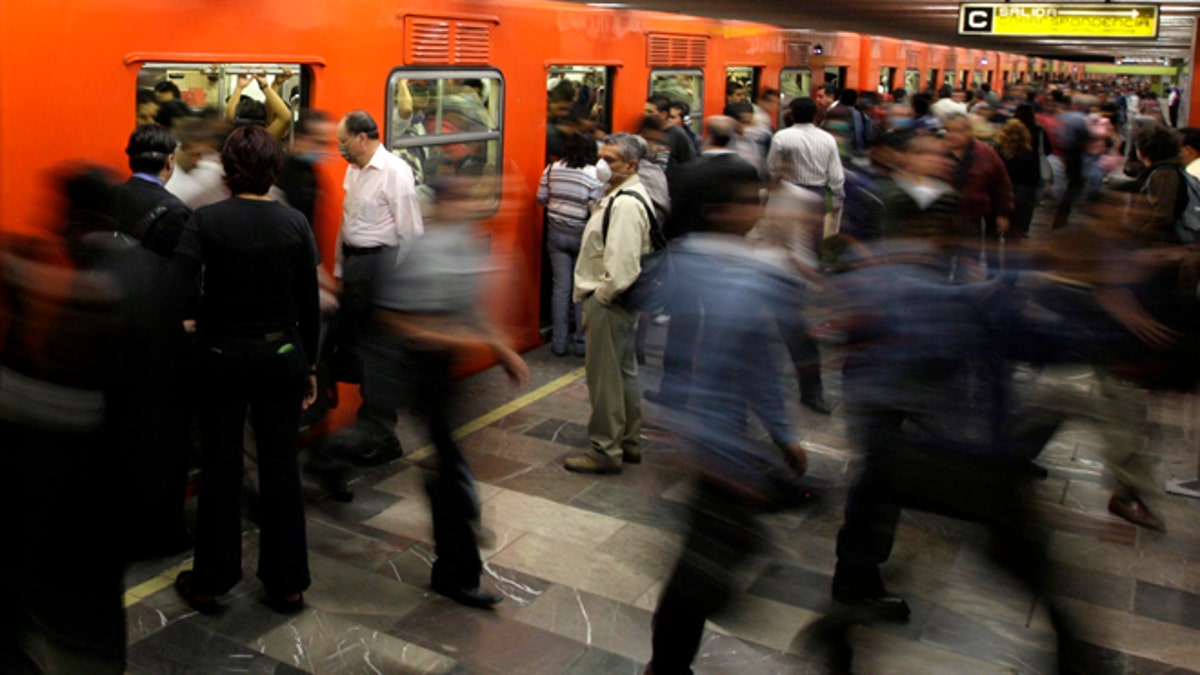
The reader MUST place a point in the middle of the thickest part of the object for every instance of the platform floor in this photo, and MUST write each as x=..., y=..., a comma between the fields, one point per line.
x=581, y=561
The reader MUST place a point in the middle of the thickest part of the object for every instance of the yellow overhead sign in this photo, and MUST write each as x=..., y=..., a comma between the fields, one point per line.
x=1059, y=20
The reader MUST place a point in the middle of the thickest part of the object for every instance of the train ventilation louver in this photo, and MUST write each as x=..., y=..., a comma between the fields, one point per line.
x=676, y=50
x=796, y=54
x=450, y=42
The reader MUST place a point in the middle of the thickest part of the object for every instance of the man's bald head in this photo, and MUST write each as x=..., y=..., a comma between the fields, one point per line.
x=721, y=130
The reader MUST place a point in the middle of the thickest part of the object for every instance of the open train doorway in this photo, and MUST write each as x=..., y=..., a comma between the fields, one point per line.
x=887, y=80
x=578, y=101
x=912, y=81
x=229, y=90
x=836, y=76
x=743, y=77
x=793, y=84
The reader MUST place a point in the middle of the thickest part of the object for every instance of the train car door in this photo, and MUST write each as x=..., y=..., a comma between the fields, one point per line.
x=912, y=81
x=887, y=77
x=793, y=84
x=836, y=76
x=745, y=77
x=934, y=83
x=578, y=99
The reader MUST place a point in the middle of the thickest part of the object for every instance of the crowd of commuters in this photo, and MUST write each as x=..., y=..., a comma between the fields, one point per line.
x=963, y=236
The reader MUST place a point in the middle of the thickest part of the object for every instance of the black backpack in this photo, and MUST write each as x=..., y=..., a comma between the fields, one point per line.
x=648, y=293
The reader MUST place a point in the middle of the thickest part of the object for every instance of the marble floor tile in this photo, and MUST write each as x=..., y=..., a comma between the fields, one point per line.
x=727, y=655
x=1024, y=649
x=645, y=548
x=599, y=661
x=763, y=621
x=549, y=481
x=1092, y=586
x=608, y=575
x=184, y=648
x=795, y=586
x=1104, y=527
x=521, y=447
x=565, y=523
x=1147, y=638
x=352, y=547
x=486, y=643
x=562, y=432
x=630, y=505
x=1167, y=604
x=518, y=421
x=877, y=651
x=371, y=600
x=324, y=644
x=592, y=620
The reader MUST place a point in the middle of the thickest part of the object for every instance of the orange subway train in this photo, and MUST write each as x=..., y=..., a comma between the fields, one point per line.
x=70, y=70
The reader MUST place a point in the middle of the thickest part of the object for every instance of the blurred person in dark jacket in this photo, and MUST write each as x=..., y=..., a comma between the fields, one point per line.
x=735, y=371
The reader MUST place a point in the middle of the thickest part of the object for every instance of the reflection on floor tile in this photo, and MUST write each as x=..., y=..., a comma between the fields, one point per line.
x=319, y=643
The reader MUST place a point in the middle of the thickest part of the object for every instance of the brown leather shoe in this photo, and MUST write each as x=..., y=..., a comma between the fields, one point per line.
x=589, y=464
x=1135, y=511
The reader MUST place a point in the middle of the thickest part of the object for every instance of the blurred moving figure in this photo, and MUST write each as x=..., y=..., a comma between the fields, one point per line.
x=257, y=323
x=696, y=189
x=426, y=307
x=198, y=179
x=63, y=354
x=734, y=371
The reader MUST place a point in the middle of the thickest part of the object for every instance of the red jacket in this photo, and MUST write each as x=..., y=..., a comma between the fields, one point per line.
x=984, y=187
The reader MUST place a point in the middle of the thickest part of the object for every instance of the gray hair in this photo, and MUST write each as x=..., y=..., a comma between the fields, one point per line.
x=629, y=146
x=955, y=115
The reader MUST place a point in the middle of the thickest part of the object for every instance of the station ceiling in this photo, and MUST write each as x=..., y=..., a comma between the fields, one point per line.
x=937, y=23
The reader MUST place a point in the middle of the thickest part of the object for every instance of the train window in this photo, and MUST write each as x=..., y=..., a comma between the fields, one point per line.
x=887, y=78
x=951, y=78
x=578, y=98
x=448, y=123
x=912, y=81
x=229, y=90
x=742, y=77
x=793, y=83
x=681, y=85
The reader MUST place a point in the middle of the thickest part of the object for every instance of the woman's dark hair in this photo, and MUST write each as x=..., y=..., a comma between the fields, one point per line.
x=580, y=151
x=149, y=147
x=920, y=105
x=1024, y=113
x=1157, y=142
x=250, y=111
x=252, y=159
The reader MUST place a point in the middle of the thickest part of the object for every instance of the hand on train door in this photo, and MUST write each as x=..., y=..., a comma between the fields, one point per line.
x=310, y=394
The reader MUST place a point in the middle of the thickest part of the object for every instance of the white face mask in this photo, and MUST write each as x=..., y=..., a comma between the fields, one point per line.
x=604, y=172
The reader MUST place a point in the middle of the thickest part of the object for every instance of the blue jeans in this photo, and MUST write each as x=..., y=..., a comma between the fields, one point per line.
x=564, y=250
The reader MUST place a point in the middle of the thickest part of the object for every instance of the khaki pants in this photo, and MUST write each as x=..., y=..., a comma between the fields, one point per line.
x=611, y=369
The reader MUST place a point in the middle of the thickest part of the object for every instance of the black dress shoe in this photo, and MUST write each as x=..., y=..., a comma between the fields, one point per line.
x=879, y=605
x=816, y=403
x=471, y=597
x=186, y=590
x=284, y=605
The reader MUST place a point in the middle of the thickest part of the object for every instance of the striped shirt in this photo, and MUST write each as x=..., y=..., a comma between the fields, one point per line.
x=568, y=195
x=807, y=156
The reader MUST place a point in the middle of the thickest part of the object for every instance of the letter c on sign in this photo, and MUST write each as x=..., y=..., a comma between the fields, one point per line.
x=978, y=19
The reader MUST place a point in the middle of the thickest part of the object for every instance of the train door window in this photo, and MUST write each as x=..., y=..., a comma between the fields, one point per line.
x=951, y=78
x=978, y=79
x=887, y=77
x=912, y=81
x=742, y=77
x=793, y=84
x=966, y=79
x=448, y=123
x=231, y=89
x=934, y=83
x=681, y=85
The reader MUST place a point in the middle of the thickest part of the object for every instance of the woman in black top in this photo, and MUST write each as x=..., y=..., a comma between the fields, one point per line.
x=1016, y=149
x=257, y=326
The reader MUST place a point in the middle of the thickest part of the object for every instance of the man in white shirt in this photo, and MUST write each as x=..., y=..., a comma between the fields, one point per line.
x=381, y=213
x=200, y=178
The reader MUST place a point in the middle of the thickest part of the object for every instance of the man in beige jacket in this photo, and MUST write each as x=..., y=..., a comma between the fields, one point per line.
x=609, y=262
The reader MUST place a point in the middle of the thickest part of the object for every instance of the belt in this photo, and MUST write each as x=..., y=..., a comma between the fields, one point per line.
x=348, y=250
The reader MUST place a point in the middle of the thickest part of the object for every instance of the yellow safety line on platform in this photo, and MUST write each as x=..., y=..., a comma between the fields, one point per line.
x=147, y=588
x=504, y=411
